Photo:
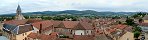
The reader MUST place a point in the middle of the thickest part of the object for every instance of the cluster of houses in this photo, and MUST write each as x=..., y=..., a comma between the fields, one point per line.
x=37, y=29
x=83, y=29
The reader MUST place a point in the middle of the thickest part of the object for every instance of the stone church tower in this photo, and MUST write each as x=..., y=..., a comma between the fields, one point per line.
x=19, y=15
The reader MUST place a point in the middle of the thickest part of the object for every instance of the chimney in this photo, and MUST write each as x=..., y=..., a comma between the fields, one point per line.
x=40, y=28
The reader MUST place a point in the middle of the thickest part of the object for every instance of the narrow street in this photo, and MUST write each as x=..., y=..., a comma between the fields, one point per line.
x=146, y=36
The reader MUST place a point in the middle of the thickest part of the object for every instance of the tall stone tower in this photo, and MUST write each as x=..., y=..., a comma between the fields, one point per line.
x=19, y=15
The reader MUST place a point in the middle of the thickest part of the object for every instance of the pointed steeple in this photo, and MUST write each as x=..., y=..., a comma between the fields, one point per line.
x=19, y=15
x=18, y=8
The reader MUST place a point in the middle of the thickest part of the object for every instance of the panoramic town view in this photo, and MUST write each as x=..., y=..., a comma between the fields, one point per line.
x=73, y=20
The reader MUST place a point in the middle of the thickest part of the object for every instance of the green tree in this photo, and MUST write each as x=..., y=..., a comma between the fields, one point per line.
x=130, y=22
x=137, y=29
x=136, y=34
x=115, y=17
x=140, y=20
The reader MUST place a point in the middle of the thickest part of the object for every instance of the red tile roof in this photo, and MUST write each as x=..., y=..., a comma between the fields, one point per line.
x=42, y=36
x=128, y=29
x=15, y=22
x=54, y=33
x=70, y=24
x=120, y=26
x=86, y=25
x=85, y=20
x=111, y=30
x=98, y=32
x=33, y=35
x=46, y=25
x=83, y=37
x=143, y=24
x=21, y=22
x=56, y=23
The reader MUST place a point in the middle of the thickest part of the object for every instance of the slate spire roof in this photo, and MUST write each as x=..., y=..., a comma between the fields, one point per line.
x=18, y=8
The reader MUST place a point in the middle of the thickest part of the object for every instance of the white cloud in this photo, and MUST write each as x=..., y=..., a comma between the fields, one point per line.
x=9, y=6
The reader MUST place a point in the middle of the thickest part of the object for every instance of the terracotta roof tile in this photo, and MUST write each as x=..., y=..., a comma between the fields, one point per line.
x=41, y=36
x=83, y=37
x=21, y=22
x=46, y=25
x=111, y=30
x=144, y=24
x=70, y=24
x=120, y=26
x=56, y=23
x=16, y=22
x=86, y=25
x=145, y=17
x=128, y=29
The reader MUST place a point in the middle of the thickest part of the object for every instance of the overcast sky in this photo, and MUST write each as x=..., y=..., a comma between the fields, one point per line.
x=9, y=6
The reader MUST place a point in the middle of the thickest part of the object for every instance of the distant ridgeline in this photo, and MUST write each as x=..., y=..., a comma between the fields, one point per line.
x=75, y=12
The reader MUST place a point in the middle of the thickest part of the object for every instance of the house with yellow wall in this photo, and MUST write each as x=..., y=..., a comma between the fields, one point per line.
x=145, y=19
x=127, y=36
x=17, y=29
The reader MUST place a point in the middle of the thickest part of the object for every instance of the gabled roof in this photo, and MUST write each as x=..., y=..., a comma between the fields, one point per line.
x=56, y=23
x=120, y=26
x=19, y=26
x=102, y=37
x=83, y=26
x=21, y=22
x=15, y=22
x=144, y=24
x=70, y=24
x=85, y=20
x=46, y=25
x=145, y=17
x=83, y=37
x=26, y=28
x=17, y=29
x=42, y=36
x=79, y=27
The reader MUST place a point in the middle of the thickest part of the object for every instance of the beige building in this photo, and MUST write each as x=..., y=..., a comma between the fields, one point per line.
x=16, y=31
x=1, y=25
x=127, y=36
x=145, y=19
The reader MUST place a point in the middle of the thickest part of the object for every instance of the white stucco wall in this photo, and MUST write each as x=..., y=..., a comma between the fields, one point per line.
x=82, y=32
x=35, y=30
x=79, y=32
x=88, y=32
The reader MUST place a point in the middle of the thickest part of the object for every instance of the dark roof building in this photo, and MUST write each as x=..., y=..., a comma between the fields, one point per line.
x=18, y=26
